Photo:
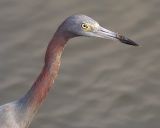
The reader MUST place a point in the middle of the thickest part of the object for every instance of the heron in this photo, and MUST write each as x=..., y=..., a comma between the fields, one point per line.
x=20, y=113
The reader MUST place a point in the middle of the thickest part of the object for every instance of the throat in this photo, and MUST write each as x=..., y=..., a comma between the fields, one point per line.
x=39, y=90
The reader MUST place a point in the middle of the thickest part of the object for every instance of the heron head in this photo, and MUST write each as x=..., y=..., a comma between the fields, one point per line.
x=82, y=25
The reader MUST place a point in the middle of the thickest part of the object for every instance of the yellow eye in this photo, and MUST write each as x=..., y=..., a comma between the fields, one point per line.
x=86, y=27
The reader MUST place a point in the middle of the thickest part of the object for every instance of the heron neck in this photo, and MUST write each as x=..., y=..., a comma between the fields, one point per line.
x=36, y=95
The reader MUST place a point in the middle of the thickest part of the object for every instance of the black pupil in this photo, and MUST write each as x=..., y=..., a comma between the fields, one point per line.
x=84, y=25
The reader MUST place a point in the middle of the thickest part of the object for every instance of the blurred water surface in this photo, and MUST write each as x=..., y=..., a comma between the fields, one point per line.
x=102, y=83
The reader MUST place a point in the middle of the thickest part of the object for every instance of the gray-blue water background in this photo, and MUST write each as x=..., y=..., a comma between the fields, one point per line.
x=102, y=83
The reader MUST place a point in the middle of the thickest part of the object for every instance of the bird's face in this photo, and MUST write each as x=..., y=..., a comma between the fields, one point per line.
x=81, y=25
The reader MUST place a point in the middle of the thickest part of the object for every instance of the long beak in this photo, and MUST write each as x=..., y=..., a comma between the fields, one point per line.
x=107, y=34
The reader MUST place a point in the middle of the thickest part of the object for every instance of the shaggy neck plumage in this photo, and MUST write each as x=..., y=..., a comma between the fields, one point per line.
x=36, y=95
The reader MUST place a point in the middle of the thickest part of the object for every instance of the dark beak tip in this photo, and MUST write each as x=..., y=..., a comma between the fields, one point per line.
x=134, y=44
x=130, y=43
x=126, y=40
x=137, y=45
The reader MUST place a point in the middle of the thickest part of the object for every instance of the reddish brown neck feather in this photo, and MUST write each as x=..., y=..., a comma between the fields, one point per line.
x=45, y=80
